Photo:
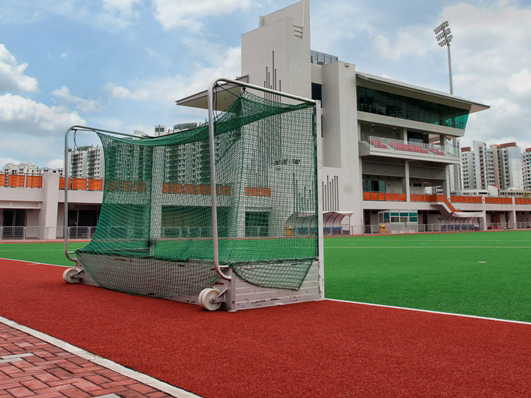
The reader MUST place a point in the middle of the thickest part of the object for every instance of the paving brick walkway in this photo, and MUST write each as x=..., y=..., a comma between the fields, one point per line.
x=32, y=367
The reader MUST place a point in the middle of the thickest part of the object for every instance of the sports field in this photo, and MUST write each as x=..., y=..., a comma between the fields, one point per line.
x=476, y=273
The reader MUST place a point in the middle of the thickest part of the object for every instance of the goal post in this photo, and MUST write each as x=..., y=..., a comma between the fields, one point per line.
x=226, y=213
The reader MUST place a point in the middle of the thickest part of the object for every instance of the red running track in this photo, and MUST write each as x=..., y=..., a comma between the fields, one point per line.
x=319, y=349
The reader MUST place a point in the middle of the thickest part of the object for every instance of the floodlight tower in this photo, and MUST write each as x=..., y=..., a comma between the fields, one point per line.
x=444, y=37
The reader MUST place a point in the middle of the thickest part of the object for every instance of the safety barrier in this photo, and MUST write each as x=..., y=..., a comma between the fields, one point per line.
x=382, y=196
x=20, y=181
x=82, y=184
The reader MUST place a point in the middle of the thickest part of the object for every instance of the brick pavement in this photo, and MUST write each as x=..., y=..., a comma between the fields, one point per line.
x=30, y=366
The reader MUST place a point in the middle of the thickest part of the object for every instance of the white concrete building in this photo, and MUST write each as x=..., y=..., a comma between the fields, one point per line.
x=383, y=141
x=21, y=168
x=86, y=162
x=526, y=172
x=509, y=171
x=500, y=165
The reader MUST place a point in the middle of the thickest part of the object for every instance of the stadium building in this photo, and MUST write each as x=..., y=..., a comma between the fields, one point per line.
x=383, y=143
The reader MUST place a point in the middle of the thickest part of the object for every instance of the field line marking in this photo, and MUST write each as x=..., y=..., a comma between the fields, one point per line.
x=106, y=363
x=432, y=312
x=34, y=262
x=429, y=247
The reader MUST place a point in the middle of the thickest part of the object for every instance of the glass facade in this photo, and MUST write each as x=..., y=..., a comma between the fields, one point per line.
x=373, y=186
x=387, y=104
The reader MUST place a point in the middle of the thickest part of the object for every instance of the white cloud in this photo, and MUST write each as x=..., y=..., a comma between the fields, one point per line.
x=64, y=55
x=125, y=7
x=12, y=77
x=490, y=59
x=169, y=89
x=414, y=41
x=186, y=14
x=84, y=105
x=21, y=115
x=55, y=163
x=520, y=83
x=108, y=15
x=333, y=26
x=124, y=93
x=6, y=160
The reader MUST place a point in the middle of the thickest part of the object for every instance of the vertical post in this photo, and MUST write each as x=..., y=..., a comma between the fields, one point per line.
x=213, y=193
x=450, y=69
x=320, y=247
x=66, y=198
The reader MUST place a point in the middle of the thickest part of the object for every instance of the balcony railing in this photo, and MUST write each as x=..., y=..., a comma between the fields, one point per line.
x=400, y=146
x=20, y=181
x=454, y=199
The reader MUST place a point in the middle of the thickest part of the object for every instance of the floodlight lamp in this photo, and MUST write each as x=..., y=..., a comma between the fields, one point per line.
x=441, y=27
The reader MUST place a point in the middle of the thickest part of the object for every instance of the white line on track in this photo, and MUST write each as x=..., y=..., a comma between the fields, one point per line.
x=432, y=312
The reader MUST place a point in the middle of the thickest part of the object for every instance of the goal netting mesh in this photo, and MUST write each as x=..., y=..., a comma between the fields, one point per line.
x=154, y=233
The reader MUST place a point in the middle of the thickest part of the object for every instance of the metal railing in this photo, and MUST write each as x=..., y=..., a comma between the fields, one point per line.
x=411, y=147
x=86, y=233
x=20, y=180
x=44, y=233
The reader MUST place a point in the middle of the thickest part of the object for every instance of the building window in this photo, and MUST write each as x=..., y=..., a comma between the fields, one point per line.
x=399, y=106
x=317, y=92
x=373, y=186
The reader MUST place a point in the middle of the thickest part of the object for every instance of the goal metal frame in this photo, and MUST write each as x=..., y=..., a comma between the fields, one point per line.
x=215, y=298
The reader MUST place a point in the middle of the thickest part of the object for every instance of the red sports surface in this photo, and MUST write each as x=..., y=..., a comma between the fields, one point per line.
x=318, y=349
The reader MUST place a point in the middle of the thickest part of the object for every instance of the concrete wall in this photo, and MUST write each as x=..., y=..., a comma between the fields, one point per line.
x=277, y=54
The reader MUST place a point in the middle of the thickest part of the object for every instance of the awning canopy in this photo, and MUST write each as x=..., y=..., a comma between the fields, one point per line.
x=467, y=214
x=332, y=218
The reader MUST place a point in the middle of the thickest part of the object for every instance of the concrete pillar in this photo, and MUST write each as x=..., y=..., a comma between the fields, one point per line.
x=484, y=217
x=48, y=212
x=442, y=141
x=403, y=135
x=512, y=216
x=405, y=182
x=446, y=182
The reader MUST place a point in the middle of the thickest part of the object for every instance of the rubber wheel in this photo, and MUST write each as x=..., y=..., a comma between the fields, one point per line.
x=205, y=298
x=68, y=275
x=201, y=296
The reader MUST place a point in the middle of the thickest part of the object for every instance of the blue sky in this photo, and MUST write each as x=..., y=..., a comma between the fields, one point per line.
x=121, y=64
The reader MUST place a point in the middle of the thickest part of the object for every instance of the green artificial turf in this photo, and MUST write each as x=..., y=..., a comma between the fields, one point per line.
x=478, y=273
x=475, y=273
x=46, y=253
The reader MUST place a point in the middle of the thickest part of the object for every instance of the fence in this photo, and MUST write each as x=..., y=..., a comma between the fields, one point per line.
x=41, y=233
x=423, y=228
x=82, y=184
x=20, y=181
x=401, y=197
x=86, y=233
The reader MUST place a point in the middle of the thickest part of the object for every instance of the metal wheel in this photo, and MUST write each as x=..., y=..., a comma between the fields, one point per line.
x=207, y=297
x=68, y=275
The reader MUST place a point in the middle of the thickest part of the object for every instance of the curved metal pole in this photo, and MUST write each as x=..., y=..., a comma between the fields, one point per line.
x=65, y=230
x=213, y=193
x=75, y=128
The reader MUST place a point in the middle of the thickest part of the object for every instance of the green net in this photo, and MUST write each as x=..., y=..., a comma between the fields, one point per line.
x=154, y=233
